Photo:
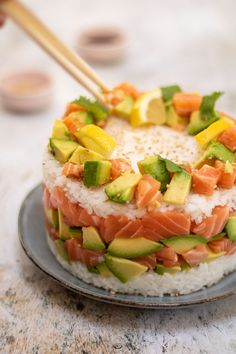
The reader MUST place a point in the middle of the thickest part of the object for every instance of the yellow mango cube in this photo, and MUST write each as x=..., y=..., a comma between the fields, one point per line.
x=215, y=129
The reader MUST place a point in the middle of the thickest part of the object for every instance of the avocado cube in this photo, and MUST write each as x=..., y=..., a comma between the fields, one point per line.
x=156, y=167
x=124, y=269
x=61, y=250
x=133, y=247
x=62, y=149
x=122, y=189
x=60, y=130
x=182, y=244
x=65, y=231
x=103, y=270
x=96, y=173
x=218, y=236
x=173, y=119
x=52, y=217
x=197, y=124
x=82, y=116
x=161, y=270
x=81, y=155
x=218, y=151
x=92, y=239
x=230, y=228
x=178, y=189
x=124, y=108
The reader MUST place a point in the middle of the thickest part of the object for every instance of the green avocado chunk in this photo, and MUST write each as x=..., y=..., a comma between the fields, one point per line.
x=65, y=231
x=60, y=130
x=218, y=236
x=61, y=250
x=156, y=167
x=96, y=172
x=82, y=116
x=52, y=217
x=124, y=108
x=103, y=270
x=81, y=155
x=161, y=270
x=122, y=189
x=197, y=124
x=124, y=269
x=133, y=247
x=92, y=239
x=230, y=228
x=218, y=151
x=173, y=119
x=178, y=189
x=182, y=244
x=62, y=149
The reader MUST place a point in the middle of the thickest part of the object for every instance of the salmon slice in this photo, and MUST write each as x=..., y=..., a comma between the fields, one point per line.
x=223, y=245
x=148, y=193
x=118, y=167
x=128, y=89
x=147, y=261
x=228, y=138
x=168, y=257
x=72, y=124
x=157, y=225
x=72, y=107
x=212, y=225
x=47, y=199
x=204, y=180
x=186, y=103
x=73, y=213
x=72, y=170
x=77, y=253
x=226, y=180
x=195, y=256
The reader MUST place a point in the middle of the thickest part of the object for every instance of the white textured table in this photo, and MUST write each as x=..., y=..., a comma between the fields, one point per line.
x=188, y=42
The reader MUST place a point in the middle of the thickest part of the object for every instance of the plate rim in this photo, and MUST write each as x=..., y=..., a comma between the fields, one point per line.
x=102, y=297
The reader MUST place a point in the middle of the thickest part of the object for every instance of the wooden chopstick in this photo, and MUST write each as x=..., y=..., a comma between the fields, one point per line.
x=67, y=58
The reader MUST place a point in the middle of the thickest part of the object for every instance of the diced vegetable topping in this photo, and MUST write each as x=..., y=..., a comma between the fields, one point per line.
x=98, y=111
x=213, y=131
x=169, y=91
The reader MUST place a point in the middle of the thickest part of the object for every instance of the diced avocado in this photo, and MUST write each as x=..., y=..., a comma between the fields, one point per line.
x=61, y=250
x=133, y=247
x=103, y=270
x=124, y=108
x=92, y=239
x=185, y=266
x=215, y=150
x=173, y=119
x=156, y=167
x=122, y=189
x=197, y=124
x=161, y=270
x=62, y=149
x=178, y=189
x=65, y=231
x=182, y=244
x=96, y=172
x=214, y=130
x=230, y=228
x=124, y=269
x=228, y=167
x=52, y=217
x=82, y=116
x=60, y=130
x=81, y=154
x=218, y=236
x=212, y=255
x=96, y=139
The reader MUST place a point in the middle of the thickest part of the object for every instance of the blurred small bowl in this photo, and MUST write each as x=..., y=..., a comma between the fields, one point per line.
x=26, y=91
x=102, y=44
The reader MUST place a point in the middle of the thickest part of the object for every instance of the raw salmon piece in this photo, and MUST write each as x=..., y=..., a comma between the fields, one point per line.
x=128, y=89
x=228, y=138
x=226, y=180
x=195, y=256
x=186, y=103
x=220, y=245
x=147, y=193
x=212, y=225
x=118, y=167
x=148, y=261
x=72, y=170
x=72, y=107
x=204, y=180
x=77, y=253
x=168, y=257
x=47, y=199
x=158, y=225
x=72, y=124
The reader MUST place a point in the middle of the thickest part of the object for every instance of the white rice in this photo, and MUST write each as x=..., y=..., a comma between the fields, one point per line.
x=152, y=284
x=134, y=145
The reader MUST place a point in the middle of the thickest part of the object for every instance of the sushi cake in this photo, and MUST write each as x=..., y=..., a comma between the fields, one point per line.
x=141, y=198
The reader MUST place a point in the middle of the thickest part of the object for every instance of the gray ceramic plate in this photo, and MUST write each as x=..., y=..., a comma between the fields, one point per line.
x=33, y=240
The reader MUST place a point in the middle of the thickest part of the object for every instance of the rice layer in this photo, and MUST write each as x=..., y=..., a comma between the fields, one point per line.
x=152, y=284
x=135, y=145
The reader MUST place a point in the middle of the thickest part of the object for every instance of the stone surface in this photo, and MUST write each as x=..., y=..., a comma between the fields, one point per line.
x=189, y=42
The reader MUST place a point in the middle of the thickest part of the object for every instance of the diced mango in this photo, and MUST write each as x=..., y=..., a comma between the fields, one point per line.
x=96, y=139
x=215, y=129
